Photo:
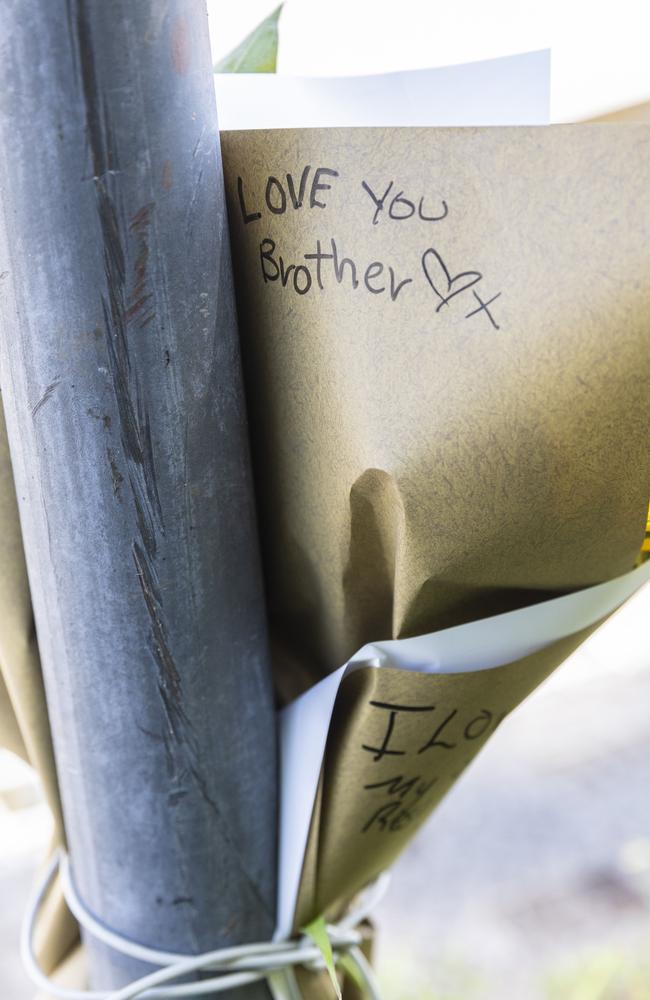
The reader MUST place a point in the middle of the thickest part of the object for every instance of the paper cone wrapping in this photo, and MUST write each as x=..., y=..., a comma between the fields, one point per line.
x=421, y=463
x=397, y=743
x=371, y=749
x=446, y=338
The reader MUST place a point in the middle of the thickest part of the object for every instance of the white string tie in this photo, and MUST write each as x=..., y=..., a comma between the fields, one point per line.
x=273, y=961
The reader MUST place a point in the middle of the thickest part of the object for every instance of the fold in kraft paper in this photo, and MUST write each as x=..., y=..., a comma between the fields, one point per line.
x=446, y=356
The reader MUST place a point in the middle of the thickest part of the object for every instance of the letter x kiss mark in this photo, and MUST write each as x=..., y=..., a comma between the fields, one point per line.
x=439, y=277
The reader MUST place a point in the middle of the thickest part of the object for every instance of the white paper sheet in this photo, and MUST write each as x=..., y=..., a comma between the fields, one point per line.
x=479, y=645
x=514, y=90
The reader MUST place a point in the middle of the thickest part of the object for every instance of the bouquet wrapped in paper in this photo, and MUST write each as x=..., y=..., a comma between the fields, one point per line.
x=445, y=337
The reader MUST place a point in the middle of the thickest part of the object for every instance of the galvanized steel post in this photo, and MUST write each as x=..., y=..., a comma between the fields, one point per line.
x=124, y=404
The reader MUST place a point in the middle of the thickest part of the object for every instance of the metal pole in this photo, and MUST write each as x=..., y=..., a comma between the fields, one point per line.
x=121, y=383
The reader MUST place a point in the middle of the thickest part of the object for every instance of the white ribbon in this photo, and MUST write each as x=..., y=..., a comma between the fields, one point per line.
x=273, y=961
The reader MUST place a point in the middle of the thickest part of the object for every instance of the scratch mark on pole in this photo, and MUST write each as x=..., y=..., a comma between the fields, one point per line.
x=49, y=391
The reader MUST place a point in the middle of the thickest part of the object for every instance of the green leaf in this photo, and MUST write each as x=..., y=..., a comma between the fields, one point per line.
x=317, y=931
x=258, y=53
x=351, y=970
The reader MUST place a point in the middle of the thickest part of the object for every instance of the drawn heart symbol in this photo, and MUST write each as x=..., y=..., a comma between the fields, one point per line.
x=438, y=275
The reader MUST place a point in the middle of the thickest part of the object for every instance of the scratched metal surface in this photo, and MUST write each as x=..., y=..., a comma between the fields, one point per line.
x=121, y=384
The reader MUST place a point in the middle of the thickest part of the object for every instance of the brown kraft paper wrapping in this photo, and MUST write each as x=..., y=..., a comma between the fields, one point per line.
x=398, y=741
x=447, y=372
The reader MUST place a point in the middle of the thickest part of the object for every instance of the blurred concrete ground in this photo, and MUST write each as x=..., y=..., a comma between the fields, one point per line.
x=530, y=882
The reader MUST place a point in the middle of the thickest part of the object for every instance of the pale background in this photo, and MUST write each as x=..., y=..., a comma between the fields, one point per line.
x=601, y=50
